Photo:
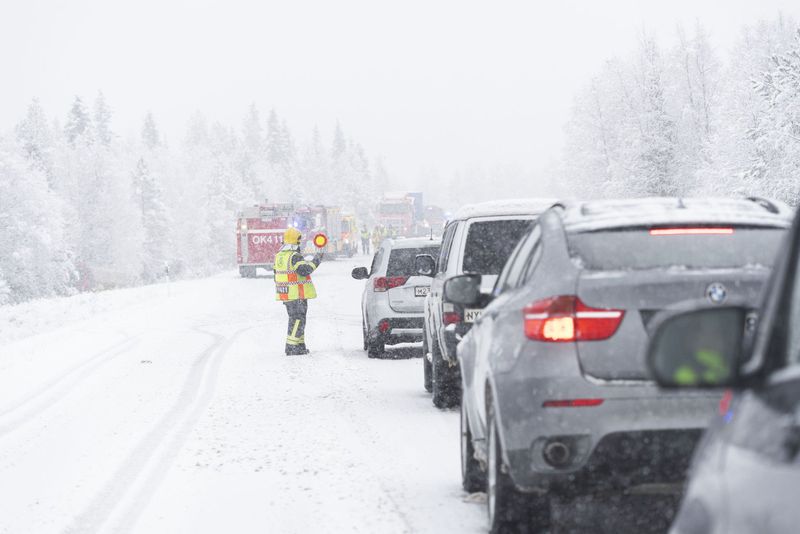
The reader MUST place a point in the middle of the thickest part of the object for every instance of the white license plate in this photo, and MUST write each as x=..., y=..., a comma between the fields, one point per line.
x=470, y=316
x=421, y=291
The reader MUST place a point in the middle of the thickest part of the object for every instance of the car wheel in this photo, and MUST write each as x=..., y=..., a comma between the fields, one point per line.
x=472, y=476
x=375, y=348
x=427, y=372
x=509, y=509
x=445, y=392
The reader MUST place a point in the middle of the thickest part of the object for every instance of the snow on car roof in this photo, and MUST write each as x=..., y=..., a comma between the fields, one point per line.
x=599, y=214
x=415, y=242
x=520, y=206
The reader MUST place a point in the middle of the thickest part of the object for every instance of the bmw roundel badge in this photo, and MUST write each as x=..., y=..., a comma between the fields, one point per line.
x=716, y=293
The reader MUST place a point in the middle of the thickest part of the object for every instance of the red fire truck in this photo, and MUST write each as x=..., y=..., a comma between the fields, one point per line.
x=259, y=236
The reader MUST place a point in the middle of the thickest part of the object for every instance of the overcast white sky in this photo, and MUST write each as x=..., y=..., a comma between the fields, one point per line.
x=427, y=84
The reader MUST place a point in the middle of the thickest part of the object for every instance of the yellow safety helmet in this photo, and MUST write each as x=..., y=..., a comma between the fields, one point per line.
x=292, y=236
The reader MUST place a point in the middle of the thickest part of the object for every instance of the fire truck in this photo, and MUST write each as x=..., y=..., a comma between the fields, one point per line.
x=402, y=213
x=259, y=236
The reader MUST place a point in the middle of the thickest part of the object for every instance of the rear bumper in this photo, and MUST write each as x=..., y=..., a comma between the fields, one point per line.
x=401, y=330
x=638, y=435
x=619, y=460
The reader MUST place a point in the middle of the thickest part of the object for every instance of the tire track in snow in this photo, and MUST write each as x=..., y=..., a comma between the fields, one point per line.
x=131, y=487
x=47, y=396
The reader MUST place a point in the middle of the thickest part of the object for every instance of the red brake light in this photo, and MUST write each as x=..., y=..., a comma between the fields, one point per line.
x=572, y=403
x=451, y=317
x=384, y=283
x=691, y=231
x=566, y=318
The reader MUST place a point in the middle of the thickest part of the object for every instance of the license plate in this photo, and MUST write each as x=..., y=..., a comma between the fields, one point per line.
x=470, y=316
x=421, y=291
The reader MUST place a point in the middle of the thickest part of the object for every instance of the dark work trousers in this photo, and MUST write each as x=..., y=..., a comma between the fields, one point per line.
x=295, y=333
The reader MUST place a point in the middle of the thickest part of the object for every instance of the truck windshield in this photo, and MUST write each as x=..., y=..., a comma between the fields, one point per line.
x=490, y=243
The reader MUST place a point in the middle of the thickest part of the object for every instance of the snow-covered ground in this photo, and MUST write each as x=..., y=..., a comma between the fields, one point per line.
x=173, y=409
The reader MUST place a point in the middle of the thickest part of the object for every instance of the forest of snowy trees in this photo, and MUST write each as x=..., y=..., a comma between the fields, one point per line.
x=688, y=120
x=82, y=208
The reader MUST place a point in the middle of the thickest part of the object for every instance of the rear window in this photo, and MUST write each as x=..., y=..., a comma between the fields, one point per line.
x=401, y=260
x=637, y=249
x=490, y=243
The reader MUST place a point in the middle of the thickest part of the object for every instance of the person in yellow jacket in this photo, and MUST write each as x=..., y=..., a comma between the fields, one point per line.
x=293, y=287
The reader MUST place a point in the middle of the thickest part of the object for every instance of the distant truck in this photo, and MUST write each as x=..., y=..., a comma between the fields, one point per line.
x=329, y=220
x=402, y=214
x=259, y=236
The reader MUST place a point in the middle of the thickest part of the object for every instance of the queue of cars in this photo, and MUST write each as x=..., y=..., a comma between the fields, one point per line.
x=592, y=340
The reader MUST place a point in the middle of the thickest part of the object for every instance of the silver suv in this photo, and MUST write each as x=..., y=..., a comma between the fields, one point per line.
x=557, y=398
x=392, y=302
x=478, y=239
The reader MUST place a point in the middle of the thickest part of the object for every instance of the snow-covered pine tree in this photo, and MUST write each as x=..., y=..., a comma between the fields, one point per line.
x=79, y=123
x=102, y=120
x=33, y=133
x=151, y=138
x=155, y=221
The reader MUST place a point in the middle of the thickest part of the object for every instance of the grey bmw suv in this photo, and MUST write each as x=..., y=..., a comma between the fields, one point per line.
x=557, y=395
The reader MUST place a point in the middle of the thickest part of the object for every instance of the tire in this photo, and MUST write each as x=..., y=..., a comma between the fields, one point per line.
x=375, y=348
x=446, y=391
x=247, y=272
x=427, y=372
x=508, y=509
x=473, y=478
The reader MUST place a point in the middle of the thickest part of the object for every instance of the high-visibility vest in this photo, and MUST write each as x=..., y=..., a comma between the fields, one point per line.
x=289, y=284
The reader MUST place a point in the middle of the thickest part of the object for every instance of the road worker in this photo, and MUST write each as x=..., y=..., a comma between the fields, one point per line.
x=364, y=240
x=293, y=287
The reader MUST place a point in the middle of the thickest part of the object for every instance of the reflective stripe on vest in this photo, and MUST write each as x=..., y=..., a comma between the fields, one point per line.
x=289, y=284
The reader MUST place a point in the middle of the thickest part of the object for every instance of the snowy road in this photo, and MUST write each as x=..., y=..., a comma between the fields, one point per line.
x=173, y=409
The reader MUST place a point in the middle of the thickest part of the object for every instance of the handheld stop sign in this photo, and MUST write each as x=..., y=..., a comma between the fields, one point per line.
x=320, y=240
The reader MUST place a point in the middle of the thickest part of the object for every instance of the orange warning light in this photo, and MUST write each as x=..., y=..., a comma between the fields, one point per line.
x=320, y=240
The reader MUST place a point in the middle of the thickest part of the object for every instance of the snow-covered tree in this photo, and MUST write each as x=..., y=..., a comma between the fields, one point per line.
x=79, y=123
x=33, y=133
x=102, y=120
x=150, y=136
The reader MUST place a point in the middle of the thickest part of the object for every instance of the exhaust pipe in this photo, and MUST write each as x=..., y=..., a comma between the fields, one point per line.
x=557, y=453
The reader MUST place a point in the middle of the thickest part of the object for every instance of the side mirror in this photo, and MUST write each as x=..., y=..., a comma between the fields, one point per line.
x=701, y=348
x=464, y=289
x=360, y=273
x=424, y=265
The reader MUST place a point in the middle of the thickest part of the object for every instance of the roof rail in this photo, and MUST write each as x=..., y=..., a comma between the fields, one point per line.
x=765, y=203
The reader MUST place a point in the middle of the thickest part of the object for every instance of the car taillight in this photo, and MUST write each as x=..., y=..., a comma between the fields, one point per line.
x=384, y=283
x=451, y=317
x=566, y=318
x=691, y=231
